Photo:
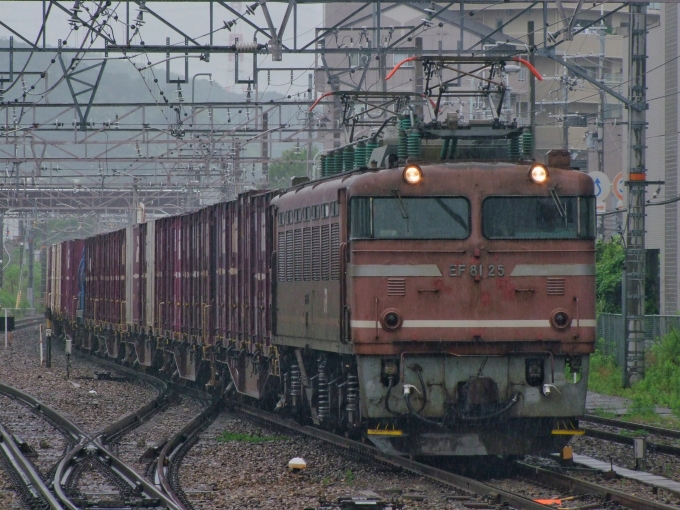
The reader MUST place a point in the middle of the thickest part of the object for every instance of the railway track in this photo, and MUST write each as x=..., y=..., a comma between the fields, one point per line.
x=652, y=446
x=94, y=451
x=168, y=452
x=85, y=451
x=172, y=453
x=27, y=322
x=626, y=425
x=537, y=475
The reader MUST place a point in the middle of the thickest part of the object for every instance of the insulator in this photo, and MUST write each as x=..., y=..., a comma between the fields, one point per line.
x=348, y=159
x=413, y=144
x=527, y=142
x=324, y=399
x=338, y=159
x=402, y=146
x=295, y=384
x=513, y=147
x=329, y=164
x=352, y=397
x=360, y=155
x=245, y=47
x=372, y=144
x=322, y=165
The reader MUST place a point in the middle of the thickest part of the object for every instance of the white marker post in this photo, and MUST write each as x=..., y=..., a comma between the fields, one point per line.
x=5, y=328
x=41, y=345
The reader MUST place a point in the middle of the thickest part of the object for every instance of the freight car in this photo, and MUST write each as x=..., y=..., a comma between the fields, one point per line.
x=439, y=310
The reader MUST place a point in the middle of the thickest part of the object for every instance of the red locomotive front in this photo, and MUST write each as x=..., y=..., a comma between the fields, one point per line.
x=472, y=296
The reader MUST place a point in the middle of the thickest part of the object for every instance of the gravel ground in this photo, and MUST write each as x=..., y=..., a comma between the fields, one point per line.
x=88, y=402
x=49, y=444
x=240, y=474
x=95, y=487
x=621, y=484
x=533, y=491
x=159, y=428
x=9, y=499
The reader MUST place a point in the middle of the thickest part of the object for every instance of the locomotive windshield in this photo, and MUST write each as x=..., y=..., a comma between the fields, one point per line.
x=550, y=217
x=400, y=217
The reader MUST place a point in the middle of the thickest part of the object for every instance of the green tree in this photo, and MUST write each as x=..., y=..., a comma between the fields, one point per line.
x=292, y=163
x=610, y=258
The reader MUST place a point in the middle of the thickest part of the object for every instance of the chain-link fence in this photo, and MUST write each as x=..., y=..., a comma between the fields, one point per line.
x=612, y=333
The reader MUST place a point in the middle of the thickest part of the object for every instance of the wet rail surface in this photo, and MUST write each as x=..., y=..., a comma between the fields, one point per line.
x=75, y=462
x=99, y=447
x=492, y=492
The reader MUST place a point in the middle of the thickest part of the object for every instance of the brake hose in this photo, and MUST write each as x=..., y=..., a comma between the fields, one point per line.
x=511, y=402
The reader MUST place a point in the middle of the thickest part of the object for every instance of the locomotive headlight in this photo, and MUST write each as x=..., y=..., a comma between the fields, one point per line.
x=391, y=319
x=538, y=173
x=560, y=319
x=413, y=174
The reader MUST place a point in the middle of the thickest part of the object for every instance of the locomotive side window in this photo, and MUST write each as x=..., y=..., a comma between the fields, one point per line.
x=410, y=217
x=550, y=217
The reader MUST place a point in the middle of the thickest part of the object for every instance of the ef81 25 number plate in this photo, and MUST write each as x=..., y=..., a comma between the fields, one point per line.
x=481, y=270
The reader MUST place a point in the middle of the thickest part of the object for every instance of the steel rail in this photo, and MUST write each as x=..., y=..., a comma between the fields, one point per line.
x=134, y=419
x=84, y=439
x=652, y=446
x=173, y=449
x=126, y=423
x=31, y=478
x=572, y=484
x=659, y=431
x=433, y=473
x=76, y=433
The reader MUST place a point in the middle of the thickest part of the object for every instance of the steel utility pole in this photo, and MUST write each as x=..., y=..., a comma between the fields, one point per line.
x=600, y=118
x=635, y=230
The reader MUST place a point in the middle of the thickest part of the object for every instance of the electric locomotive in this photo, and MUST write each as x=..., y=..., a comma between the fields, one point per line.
x=462, y=294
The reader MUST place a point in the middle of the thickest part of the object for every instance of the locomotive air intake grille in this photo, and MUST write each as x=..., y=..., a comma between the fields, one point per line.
x=396, y=287
x=555, y=286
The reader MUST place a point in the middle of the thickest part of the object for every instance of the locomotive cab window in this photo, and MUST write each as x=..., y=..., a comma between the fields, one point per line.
x=400, y=217
x=552, y=217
